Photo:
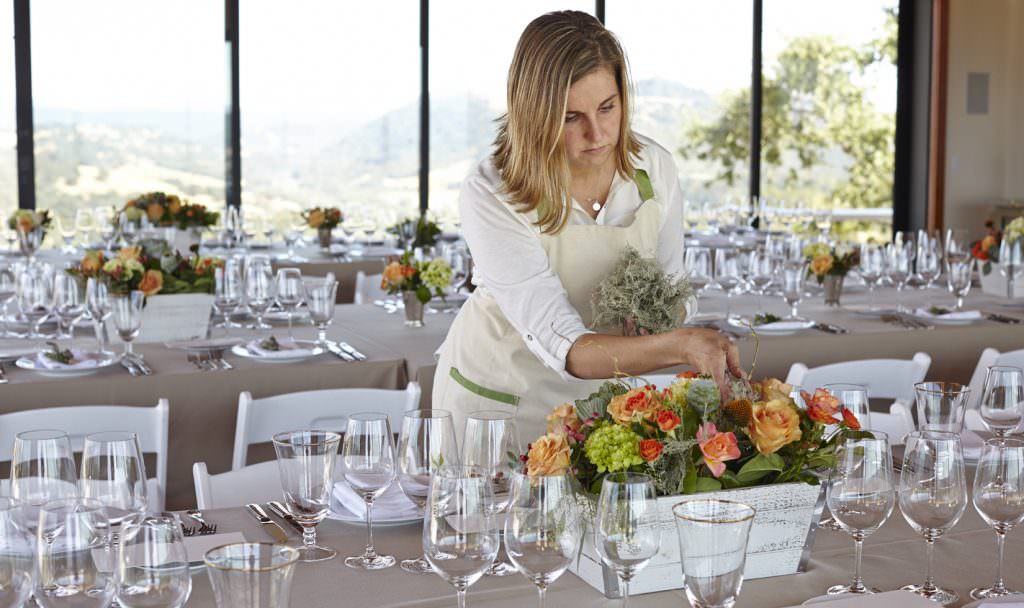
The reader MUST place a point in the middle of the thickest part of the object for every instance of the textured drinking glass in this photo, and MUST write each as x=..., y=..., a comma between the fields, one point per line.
x=697, y=262
x=460, y=529
x=929, y=257
x=543, y=529
x=35, y=297
x=74, y=569
x=68, y=303
x=1002, y=399
x=958, y=279
x=227, y=292
x=289, y=292
x=793, y=275
x=368, y=466
x=941, y=406
x=713, y=538
x=933, y=496
x=491, y=443
x=17, y=555
x=728, y=275
x=900, y=265
x=426, y=444
x=97, y=299
x=853, y=397
x=259, y=289
x=761, y=271
x=628, y=532
x=999, y=499
x=320, y=300
x=153, y=565
x=126, y=310
x=114, y=474
x=251, y=575
x=42, y=470
x=871, y=268
x=861, y=495
x=305, y=460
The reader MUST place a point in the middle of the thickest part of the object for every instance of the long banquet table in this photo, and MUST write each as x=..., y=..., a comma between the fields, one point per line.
x=204, y=404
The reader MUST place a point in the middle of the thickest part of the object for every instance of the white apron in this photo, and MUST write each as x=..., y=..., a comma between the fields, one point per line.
x=484, y=363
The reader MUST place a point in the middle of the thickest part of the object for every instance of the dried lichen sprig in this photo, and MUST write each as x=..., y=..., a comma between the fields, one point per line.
x=637, y=289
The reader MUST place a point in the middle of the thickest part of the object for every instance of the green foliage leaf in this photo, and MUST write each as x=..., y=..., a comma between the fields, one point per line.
x=708, y=484
x=690, y=480
x=759, y=466
x=597, y=402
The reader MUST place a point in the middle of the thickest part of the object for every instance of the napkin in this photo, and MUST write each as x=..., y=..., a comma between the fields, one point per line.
x=1003, y=603
x=203, y=344
x=971, y=443
x=888, y=599
x=392, y=504
x=81, y=360
x=782, y=326
x=963, y=314
x=289, y=348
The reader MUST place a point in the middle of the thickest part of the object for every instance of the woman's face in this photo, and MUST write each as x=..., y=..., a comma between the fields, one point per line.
x=592, y=120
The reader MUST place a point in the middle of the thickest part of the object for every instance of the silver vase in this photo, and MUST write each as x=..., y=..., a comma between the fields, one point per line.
x=413, y=309
x=833, y=289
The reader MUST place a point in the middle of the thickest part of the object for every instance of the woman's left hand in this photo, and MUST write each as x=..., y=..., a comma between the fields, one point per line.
x=710, y=352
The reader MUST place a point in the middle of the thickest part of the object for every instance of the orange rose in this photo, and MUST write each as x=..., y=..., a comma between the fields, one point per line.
x=822, y=406
x=716, y=448
x=772, y=389
x=688, y=374
x=667, y=420
x=316, y=218
x=393, y=275
x=773, y=424
x=821, y=264
x=155, y=212
x=152, y=282
x=549, y=455
x=129, y=253
x=91, y=263
x=563, y=416
x=174, y=205
x=634, y=405
x=988, y=242
x=650, y=449
x=851, y=420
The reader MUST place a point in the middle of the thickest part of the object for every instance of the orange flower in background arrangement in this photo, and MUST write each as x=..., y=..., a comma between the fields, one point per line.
x=175, y=204
x=716, y=447
x=316, y=218
x=773, y=424
x=393, y=275
x=563, y=417
x=129, y=253
x=822, y=406
x=155, y=211
x=821, y=264
x=851, y=420
x=91, y=263
x=408, y=271
x=549, y=455
x=667, y=420
x=650, y=449
x=633, y=405
x=772, y=389
x=25, y=223
x=688, y=374
x=152, y=282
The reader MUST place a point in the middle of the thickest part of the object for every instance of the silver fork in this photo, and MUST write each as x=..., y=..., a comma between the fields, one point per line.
x=194, y=359
x=3, y=376
x=217, y=356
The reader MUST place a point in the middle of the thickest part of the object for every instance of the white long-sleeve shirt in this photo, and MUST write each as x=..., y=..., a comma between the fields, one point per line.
x=510, y=262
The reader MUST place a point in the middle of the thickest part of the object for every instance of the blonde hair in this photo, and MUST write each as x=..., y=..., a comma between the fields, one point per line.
x=554, y=51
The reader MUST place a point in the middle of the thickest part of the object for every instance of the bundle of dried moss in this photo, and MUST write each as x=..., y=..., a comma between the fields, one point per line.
x=639, y=290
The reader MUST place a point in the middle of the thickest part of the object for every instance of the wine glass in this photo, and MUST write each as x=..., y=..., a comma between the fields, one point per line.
x=227, y=292
x=941, y=406
x=627, y=525
x=425, y=445
x=543, y=529
x=861, y=495
x=42, y=470
x=259, y=289
x=251, y=575
x=727, y=275
x=321, y=299
x=368, y=466
x=958, y=245
x=153, y=565
x=114, y=474
x=713, y=538
x=306, y=460
x=697, y=262
x=793, y=276
x=929, y=258
x=999, y=499
x=289, y=292
x=933, y=496
x=17, y=555
x=900, y=265
x=72, y=573
x=490, y=439
x=106, y=221
x=68, y=303
x=1011, y=263
x=853, y=397
x=84, y=223
x=871, y=268
x=8, y=291
x=1002, y=399
x=126, y=310
x=958, y=279
x=460, y=531
x=35, y=297
x=97, y=300
x=762, y=271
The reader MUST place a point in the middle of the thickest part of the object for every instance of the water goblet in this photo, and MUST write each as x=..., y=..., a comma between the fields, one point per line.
x=153, y=564
x=42, y=470
x=999, y=499
x=543, y=531
x=114, y=474
x=72, y=573
x=958, y=279
x=426, y=444
x=627, y=525
x=900, y=265
x=368, y=466
x=97, y=300
x=761, y=271
x=941, y=406
x=35, y=297
x=460, y=532
x=1002, y=399
x=126, y=310
x=306, y=460
x=853, y=397
x=259, y=289
x=1011, y=263
x=289, y=292
x=251, y=575
x=84, y=223
x=871, y=268
x=727, y=275
x=490, y=437
x=17, y=555
x=321, y=299
x=713, y=538
x=697, y=262
x=68, y=303
x=793, y=277
x=861, y=495
x=957, y=245
x=8, y=292
x=227, y=292
x=932, y=497
x=929, y=258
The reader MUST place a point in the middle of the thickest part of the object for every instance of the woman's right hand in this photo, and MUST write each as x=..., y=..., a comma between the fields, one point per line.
x=709, y=352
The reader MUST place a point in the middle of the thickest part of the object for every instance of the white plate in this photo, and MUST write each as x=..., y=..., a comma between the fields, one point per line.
x=299, y=316
x=102, y=361
x=340, y=513
x=791, y=328
x=313, y=351
x=868, y=312
x=942, y=320
x=997, y=600
x=203, y=346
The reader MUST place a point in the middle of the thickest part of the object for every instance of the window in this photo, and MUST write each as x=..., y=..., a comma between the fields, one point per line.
x=471, y=47
x=126, y=100
x=330, y=108
x=8, y=129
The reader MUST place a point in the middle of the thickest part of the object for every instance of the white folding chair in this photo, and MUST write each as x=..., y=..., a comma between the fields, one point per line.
x=368, y=288
x=149, y=423
x=255, y=483
x=661, y=381
x=259, y=419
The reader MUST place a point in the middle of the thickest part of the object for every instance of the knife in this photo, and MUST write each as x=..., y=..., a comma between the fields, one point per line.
x=281, y=512
x=348, y=349
x=336, y=350
x=269, y=525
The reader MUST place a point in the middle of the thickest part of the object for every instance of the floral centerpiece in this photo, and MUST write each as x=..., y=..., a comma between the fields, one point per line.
x=323, y=220
x=829, y=265
x=986, y=250
x=418, y=232
x=418, y=281
x=638, y=296
x=151, y=269
x=168, y=210
x=30, y=227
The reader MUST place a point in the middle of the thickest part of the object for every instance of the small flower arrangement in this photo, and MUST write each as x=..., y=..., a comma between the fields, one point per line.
x=824, y=259
x=150, y=269
x=637, y=294
x=327, y=218
x=25, y=221
x=986, y=250
x=686, y=441
x=419, y=232
x=427, y=278
x=168, y=210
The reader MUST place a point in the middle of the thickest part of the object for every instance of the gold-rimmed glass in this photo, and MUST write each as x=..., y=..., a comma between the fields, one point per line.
x=713, y=538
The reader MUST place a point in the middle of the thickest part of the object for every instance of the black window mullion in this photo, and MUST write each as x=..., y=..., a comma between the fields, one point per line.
x=599, y=10
x=23, y=86
x=232, y=112
x=755, y=105
x=424, y=183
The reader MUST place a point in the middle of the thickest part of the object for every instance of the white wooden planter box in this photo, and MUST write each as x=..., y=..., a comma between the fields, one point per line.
x=183, y=239
x=166, y=318
x=994, y=283
x=780, y=539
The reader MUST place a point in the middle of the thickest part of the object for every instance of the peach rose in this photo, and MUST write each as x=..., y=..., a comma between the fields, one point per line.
x=772, y=389
x=667, y=420
x=91, y=263
x=988, y=242
x=393, y=275
x=716, y=447
x=316, y=218
x=634, y=405
x=173, y=204
x=152, y=282
x=25, y=223
x=821, y=264
x=650, y=449
x=549, y=455
x=155, y=212
x=822, y=406
x=129, y=253
x=563, y=416
x=773, y=424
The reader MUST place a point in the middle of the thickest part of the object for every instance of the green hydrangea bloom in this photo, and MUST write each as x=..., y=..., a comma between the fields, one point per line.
x=612, y=447
x=814, y=250
x=1014, y=230
x=436, y=273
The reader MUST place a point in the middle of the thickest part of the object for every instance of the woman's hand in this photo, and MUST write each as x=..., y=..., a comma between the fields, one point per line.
x=710, y=352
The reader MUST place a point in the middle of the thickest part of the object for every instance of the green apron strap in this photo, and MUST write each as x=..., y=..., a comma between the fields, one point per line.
x=476, y=389
x=643, y=184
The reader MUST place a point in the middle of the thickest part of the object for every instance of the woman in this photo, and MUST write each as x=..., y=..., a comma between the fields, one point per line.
x=546, y=217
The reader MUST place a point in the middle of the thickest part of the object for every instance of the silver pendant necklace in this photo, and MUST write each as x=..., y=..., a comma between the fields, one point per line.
x=595, y=204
